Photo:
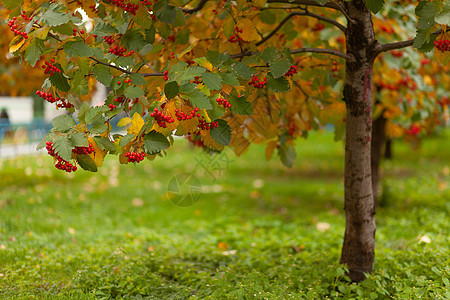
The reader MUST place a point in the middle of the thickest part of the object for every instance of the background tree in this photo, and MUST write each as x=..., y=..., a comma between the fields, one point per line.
x=229, y=73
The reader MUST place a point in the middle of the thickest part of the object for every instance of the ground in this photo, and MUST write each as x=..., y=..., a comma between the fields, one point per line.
x=258, y=230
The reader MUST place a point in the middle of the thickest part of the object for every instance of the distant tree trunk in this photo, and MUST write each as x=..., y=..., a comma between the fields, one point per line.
x=378, y=140
x=359, y=239
x=388, y=149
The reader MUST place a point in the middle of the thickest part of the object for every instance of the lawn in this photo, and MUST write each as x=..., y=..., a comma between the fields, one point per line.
x=258, y=230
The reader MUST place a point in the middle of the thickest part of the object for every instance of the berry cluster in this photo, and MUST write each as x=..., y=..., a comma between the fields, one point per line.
x=397, y=54
x=236, y=38
x=84, y=150
x=24, y=16
x=61, y=164
x=75, y=32
x=161, y=119
x=442, y=45
x=291, y=129
x=172, y=55
x=318, y=27
x=49, y=97
x=197, y=80
x=128, y=7
x=223, y=102
x=335, y=69
x=166, y=75
x=109, y=40
x=135, y=157
x=112, y=107
x=120, y=51
x=181, y=116
x=292, y=71
x=203, y=125
x=145, y=2
x=413, y=130
x=13, y=26
x=120, y=99
x=256, y=83
x=196, y=141
x=171, y=38
x=49, y=68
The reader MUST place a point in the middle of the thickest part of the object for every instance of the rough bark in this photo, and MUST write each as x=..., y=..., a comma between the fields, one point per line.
x=378, y=140
x=359, y=239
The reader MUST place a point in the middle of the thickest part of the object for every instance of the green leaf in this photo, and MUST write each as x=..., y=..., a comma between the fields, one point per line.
x=48, y=138
x=86, y=162
x=53, y=18
x=171, y=89
x=77, y=49
x=137, y=79
x=230, y=79
x=133, y=92
x=287, y=155
x=98, y=128
x=222, y=133
x=242, y=70
x=216, y=58
x=167, y=14
x=443, y=17
x=126, y=139
x=102, y=28
x=103, y=74
x=133, y=40
x=270, y=54
x=428, y=10
x=82, y=112
x=63, y=147
x=217, y=111
x=240, y=105
x=104, y=143
x=374, y=5
x=279, y=68
x=94, y=112
x=78, y=139
x=155, y=142
x=191, y=73
x=279, y=85
x=212, y=81
x=34, y=51
x=187, y=88
x=59, y=81
x=199, y=99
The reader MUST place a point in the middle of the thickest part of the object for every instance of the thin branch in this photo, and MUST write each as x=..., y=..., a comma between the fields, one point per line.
x=399, y=45
x=195, y=9
x=125, y=71
x=325, y=51
x=329, y=4
x=301, y=50
x=305, y=13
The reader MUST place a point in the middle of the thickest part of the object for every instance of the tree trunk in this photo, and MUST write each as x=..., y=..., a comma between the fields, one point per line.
x=378, y=140
x=359, y=239
x=388, y=149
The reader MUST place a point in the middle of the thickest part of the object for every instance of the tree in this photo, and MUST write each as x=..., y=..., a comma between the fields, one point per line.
x=226, y=73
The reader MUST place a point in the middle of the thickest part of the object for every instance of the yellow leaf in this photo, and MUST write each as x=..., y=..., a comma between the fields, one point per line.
x=271, y=145
x=124, y=122
x=136, y=124
x=41, y=33
x=98, y=155
x=248, y=28
x=16, y=43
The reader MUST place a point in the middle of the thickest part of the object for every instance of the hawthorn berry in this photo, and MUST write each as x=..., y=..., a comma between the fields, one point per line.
x=256, y=83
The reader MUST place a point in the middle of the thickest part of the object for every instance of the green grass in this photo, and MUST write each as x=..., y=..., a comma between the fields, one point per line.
x=115, y=234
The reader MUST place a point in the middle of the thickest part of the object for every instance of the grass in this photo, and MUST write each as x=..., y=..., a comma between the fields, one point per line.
x=258, y=231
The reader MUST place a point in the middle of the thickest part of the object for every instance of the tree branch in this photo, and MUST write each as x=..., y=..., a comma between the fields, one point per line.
x=305, y=13
x=301, y=50
x=125, y=71
x=399, y=45
x=329, y=4
x=195, y=9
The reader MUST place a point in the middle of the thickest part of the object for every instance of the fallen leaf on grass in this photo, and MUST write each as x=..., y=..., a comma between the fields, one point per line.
x=322, y=226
